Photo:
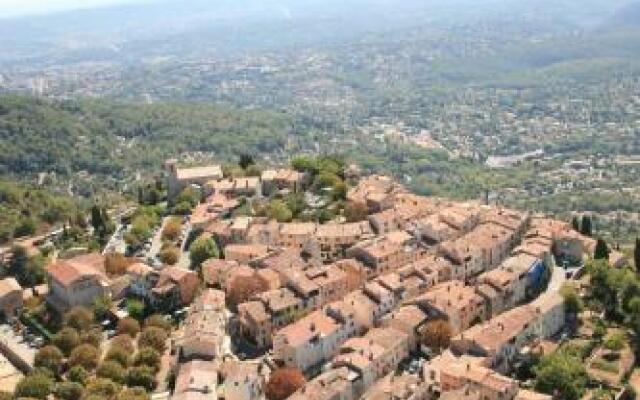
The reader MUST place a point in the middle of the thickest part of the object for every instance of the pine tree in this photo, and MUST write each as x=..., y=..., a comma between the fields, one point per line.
x=575, y=223
x=585, y=227
x=602, y=250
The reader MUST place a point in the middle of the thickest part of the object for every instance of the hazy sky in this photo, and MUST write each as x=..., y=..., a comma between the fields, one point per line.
x=21, y=7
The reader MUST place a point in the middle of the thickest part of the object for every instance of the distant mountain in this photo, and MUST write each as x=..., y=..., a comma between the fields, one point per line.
x=627, y=16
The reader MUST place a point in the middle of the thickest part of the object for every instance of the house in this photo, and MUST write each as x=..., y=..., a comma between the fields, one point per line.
x=10, y=297
x=283, y=180
x=433, y=229
x=216, y=272
x=142, y=278
x=531, y=270
x=453, y=301
x=214, y=207
x=243, y=380
x=196, y=380
x=204, y=328
x=309, y=341
x=510, y=284
x=375, y=192
x=244, y=253
x=180, y=178
x=446, y=373
x=357, y=312
x=385, y=253
x=255, y=323
x=501, y=338
x=398, y=387
x=334, y=384
x=77, y=282
x=334, y=239
x=407, y=319
x=176, y=287
x=296, y=235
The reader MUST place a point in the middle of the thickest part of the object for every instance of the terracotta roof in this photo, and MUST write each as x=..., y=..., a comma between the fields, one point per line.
x=302, y=331
x=68, y=271
x=199, y=172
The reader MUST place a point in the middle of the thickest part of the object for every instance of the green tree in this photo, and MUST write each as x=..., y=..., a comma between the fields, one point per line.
x=79, y=318
x=37, y=386
x=572, y=301
x=586, y=227
x=129, y=326
x=101, y=306
x=133, y=394
x=561, y=375
x=123, y=342
x=153, y=337
x=601, y=251
x=68, y=390
x=202, y=249
x=66, y=340
x=101, y=388
x=135, y=308
x=86, y=356
x=141, y=376
x=614, y=342
x=245, y=161
x=575, y=223
x=119, y=355
x=147, y=356
x=279, y=210
x=78, y=374
x=112, y=370
x=158, y=321
x=49, y=357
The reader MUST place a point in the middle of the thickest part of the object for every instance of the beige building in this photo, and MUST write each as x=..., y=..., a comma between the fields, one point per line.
x=196, y=380
x=77, y=282
x=204, y=329
x=455, y=302
x=179, y=178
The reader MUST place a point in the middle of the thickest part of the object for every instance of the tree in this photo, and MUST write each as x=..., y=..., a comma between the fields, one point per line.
x=202, y=249
x=636, y=255
x=614, y=342
x=354, y=212
x=561, y=375
x=602, y=250
x=575, y=223
x=135, y=308
x=101, y=306
x=586, y=227
x=66, y=340
x=141, y=376
x=153, y=337
x=169, y=254
x=68, y=390
x=6, y=395
x=123, y=342
x=101, y=388
x=92, y=336
x=37, y=386
x=436, y=334
x=119, y=355
x=147, y=356
x=279, y=210
x=158, y=321
x=116, y=264
x=128, y=326
x=112, y=370
x=172, y=229
x=245, y=161
x=49, y=357
x=241, y=289
x=133, y=394
x=283, y=383
x=79, y=318
x=78, y=374
x=86, y=356
x=572, y=301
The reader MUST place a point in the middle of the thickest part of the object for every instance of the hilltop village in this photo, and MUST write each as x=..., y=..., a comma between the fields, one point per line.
x=300, y=283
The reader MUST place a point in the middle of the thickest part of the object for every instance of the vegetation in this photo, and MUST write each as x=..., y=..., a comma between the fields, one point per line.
x=128, y=326
x=242, y=289
x=436, y=334
x=36, y=386
x=561, y=374
x=153, y=337
x=202, y=249
x=283, y=383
